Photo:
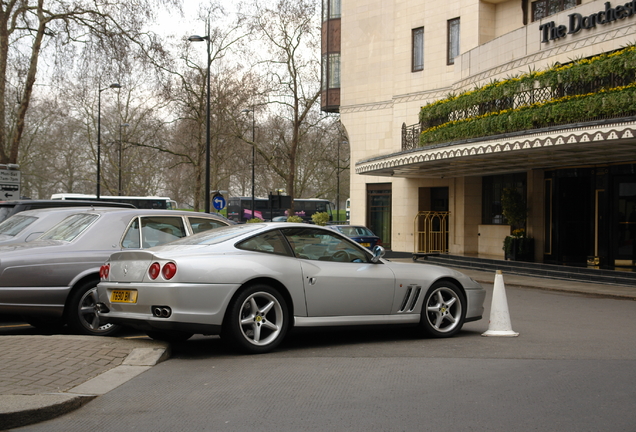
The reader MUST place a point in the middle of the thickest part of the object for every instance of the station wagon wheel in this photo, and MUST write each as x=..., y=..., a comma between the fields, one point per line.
x=443, y=310
x=80, y=312
x=257, y=320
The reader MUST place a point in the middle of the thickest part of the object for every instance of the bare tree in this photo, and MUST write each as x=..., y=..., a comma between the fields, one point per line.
x=27, y=27
x=289, y=33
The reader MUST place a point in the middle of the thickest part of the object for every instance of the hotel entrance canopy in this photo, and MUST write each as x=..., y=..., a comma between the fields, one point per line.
x=587, y=144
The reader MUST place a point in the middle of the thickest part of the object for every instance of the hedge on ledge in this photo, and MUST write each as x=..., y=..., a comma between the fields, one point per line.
x=617, y=101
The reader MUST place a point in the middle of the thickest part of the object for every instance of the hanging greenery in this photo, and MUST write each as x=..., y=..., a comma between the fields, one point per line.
x=488, y=110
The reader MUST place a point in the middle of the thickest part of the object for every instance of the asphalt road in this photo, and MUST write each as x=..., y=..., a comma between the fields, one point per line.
x=572, y=368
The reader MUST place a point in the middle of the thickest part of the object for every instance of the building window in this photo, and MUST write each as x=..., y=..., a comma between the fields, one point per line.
x=545, y=8
x=330, y=9
x=453, y=40
x=492, y=187
x=334, y=70
x=417, y=38
x=330, y=71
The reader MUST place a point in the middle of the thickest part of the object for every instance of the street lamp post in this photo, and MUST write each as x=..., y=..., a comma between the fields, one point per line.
x=99, y=135
x=338, y=184
x=206, y=38
x=253, y=153
x=123, y=125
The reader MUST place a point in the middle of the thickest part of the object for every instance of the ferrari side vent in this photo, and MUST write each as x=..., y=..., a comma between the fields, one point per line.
x=415, y=297
x=406, y=299
x=410, y=298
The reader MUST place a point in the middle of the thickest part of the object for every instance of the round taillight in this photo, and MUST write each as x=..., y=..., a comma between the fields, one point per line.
x=169, y=270
x=154, y=270
x=104, y=271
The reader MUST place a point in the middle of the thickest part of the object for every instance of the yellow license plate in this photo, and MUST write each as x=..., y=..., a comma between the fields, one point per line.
x=366, y=244
x=123, y=296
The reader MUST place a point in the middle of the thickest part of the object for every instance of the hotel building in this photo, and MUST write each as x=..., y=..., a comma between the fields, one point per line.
x=431, y=180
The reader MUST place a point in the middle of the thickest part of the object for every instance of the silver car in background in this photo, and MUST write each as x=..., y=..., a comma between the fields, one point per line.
x=29, y=225
x=251, y=283
x=52, y=280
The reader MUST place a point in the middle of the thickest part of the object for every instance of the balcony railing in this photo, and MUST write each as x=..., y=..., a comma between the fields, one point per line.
x=597, y=88
x=411, y=136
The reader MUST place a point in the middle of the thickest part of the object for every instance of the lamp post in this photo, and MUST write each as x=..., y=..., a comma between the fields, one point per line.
x=99, y=135
x=206, y=38
x=123, y=125
x=338, y=184
x=253, y=153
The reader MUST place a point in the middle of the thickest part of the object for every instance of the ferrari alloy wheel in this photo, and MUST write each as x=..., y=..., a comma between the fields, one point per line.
x=443, y=311
x=257, y=320
x=81, y=316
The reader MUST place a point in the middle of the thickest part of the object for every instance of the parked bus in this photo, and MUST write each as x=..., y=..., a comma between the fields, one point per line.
x=239, y=209
x=141, y=202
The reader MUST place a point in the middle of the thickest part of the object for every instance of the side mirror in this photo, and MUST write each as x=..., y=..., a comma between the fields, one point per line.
x=378, y=252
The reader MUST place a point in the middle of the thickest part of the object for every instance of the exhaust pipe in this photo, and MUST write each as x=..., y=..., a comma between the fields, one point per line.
x=161, y=311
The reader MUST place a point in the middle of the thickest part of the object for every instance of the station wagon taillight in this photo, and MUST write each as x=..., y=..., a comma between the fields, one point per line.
x=104, y=271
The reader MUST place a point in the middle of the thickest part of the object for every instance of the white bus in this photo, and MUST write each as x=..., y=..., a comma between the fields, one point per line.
x=141, y=202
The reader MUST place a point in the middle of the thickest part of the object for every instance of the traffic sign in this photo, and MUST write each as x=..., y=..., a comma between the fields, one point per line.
x=9, y=184
x=218, y=202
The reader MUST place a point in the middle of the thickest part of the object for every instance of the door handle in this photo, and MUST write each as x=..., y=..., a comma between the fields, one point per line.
x=311, y=280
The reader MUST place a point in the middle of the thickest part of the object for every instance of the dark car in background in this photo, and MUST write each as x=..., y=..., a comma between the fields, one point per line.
x=9, y=208
x=358, y=233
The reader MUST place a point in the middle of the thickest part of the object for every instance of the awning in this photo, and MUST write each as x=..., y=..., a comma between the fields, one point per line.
x=594, y=143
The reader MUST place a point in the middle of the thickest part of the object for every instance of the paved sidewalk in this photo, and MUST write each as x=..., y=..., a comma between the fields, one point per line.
x=42, y=377
x=599, y=290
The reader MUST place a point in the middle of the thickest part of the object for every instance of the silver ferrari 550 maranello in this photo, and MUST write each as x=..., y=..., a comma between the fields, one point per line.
x=251, y=283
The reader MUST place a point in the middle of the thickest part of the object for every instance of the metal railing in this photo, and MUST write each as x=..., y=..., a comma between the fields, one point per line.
x=411, y=134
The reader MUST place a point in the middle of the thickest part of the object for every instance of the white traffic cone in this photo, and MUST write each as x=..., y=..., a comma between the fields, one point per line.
x=499, y=316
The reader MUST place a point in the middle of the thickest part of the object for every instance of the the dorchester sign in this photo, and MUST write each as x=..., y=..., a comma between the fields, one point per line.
x=577, y=22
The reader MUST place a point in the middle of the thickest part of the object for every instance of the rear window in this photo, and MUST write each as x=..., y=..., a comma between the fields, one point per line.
x=352, y=231
x=218, y=235
x=70, y=228
x=14, y=225
x=202, y=224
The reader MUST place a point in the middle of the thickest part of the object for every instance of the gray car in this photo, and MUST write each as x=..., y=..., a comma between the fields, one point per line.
x=29, y=225
x=251, y=283
x=52, y=280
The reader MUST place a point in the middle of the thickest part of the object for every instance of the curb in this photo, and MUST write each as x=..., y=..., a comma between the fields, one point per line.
x=22, y=410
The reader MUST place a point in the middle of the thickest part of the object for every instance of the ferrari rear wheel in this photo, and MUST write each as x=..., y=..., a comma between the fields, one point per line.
x=81, y=316
x=444, y=310
x=257, y=320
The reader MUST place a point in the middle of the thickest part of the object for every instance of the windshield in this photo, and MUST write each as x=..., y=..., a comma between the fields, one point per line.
x=217, y=235
x=70, y=228
x=14, y=225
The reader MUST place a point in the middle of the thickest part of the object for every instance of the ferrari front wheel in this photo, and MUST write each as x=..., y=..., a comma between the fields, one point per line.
x=444, y=310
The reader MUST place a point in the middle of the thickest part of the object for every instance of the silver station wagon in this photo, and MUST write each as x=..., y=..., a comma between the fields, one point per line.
x=52, y=281
x=252, y=283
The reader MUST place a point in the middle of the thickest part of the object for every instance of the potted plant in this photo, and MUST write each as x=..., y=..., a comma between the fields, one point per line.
x=517, y=246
